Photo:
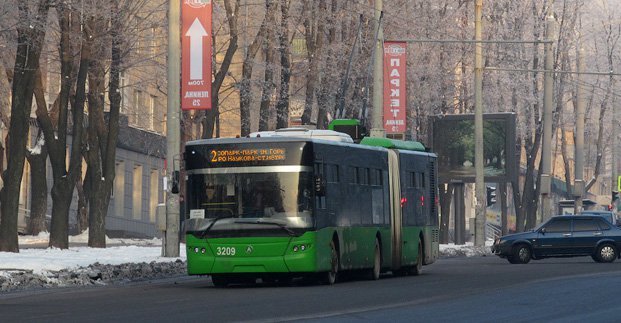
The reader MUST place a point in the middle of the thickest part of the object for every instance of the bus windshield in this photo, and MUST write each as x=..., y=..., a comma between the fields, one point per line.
x=250, y=195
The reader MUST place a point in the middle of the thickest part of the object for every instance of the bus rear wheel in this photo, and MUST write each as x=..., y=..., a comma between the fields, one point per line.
x=417, y=269
x=377, y=262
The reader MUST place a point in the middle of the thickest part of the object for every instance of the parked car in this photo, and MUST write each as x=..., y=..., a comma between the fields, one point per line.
x=563, y=236
x=608, y=215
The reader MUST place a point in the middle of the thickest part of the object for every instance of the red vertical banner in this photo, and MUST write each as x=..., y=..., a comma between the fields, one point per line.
x=395, y=87
x=196, y=54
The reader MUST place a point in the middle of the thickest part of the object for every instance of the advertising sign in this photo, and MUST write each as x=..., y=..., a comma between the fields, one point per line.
x=452, y=139
x=395, y=87
x=196, y=54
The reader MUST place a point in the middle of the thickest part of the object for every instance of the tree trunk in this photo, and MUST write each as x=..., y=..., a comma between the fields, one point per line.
x=64, y=181
x=37, y=158
x=30, y=35
x=245, y=86
x=445, y=211
x=314, y=45
x=282, y=106
x=82, y=212
x=62, y=193
x=38, y=193
x=103, y=137
x=211, y=119
x=268, y=79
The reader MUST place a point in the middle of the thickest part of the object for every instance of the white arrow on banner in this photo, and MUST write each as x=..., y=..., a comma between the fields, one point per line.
x=196, y=32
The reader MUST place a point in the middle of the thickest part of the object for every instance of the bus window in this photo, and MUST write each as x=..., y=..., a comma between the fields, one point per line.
x=251, y=195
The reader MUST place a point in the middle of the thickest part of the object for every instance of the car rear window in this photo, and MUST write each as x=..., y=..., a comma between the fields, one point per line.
x=604, y=225
x=585, y=225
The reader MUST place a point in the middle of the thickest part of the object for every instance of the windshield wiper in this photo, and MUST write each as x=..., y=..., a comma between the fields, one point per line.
x=204, y=233
x=280, y=225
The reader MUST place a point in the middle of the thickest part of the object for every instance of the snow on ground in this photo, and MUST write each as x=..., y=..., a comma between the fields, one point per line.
x=119, y=251
x=468, y=250
x=124, y=260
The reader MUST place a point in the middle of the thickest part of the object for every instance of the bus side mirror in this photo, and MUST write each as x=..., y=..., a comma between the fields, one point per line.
x=320, y=186
x=175, y=182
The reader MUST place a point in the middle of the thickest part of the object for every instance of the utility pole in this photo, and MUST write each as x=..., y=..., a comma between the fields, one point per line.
x=579, y=135
x=378, y=76
x=170, y=241
x=614, y=171
x=479, y=176
x=546, y=146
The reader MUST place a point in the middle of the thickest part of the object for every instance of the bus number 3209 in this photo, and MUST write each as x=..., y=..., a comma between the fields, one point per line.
x=225, y=251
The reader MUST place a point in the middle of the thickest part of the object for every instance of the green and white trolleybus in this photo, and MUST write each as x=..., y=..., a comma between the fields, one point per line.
x=281, y=205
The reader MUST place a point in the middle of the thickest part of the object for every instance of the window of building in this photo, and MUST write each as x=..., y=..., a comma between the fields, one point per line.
x=154, y=196
x=154, y=45
x=137, y=192
x=138, y=106
x=152, y=102
x=119, y=189
x=122, y=85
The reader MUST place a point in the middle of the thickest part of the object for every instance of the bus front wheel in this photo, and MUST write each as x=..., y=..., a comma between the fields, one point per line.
x=219, y=281
x=330, y=276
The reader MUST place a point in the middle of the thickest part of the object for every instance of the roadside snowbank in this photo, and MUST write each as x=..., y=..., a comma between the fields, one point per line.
x=125, y=260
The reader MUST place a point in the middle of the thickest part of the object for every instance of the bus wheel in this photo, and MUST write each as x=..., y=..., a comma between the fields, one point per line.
x=330, y=276
x=377, y=262
x=219, y=281
x=418, y=268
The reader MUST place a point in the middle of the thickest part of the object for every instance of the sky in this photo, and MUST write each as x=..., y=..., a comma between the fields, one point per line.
x=119, y=251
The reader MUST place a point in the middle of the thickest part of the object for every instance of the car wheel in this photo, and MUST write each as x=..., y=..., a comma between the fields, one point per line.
x=512, y=260
x=606, y=253
x=521, y=254
x=595, y=258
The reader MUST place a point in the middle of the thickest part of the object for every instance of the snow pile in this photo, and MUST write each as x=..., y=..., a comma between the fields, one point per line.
x=95, y=274
x=467, y=250
x=125, y=260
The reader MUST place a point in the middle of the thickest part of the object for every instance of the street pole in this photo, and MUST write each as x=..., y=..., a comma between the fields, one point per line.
x=378, y=76
x=546, y=150
x=170, y=241
x=579, y=157
x=614, y=171
x=479, y=180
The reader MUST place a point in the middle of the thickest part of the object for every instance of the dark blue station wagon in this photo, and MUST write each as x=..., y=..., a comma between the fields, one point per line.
x=562, y=236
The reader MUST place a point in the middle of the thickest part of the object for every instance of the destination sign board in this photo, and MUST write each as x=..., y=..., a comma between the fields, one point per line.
x=247, y=154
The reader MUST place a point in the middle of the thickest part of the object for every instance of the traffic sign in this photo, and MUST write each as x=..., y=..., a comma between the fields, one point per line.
x=196, y=54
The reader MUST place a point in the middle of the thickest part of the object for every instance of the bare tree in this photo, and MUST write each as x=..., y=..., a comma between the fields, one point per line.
x=65, y=177
x=232, y=16
x=282, y=106
x=245, y=85
x=267, y=86
x=30, y=34
x=314, y=32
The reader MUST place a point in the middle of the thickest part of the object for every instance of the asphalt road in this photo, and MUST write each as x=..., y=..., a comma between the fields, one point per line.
x=479, y=289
